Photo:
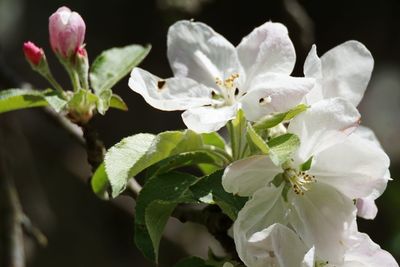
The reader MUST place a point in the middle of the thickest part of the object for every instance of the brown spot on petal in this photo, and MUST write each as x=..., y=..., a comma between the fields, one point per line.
x=160, y=84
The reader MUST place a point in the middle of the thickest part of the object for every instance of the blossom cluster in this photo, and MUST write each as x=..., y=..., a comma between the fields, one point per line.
x=303, y=211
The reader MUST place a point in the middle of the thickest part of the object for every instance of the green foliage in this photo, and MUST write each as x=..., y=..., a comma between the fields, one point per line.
x=256, y=143
x=99, y=182
x=110, y=67
x=212, y=185
x=14, y=99
x=117, y=103
x=275, y=119
x=155, y=204
x=182, y=160
x=213, y=139
x=306, y=165
x=282, y=147
x=136, y=153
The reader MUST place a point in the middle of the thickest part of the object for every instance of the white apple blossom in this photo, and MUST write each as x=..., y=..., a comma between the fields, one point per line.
x=213, y=79
x=345, y=71
x=279, y=246
x=320, y=205
x=275, y=246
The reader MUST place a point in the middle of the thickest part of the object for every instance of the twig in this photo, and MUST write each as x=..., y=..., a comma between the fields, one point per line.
x=95, y=148
x=32, y=231
x=12, y=239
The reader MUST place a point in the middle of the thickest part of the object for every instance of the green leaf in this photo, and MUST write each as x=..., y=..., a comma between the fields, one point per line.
x=282, y=147
x=212, y=184
x=110, y=67
x=275, y=119
x=14, y=99
x=306, y=165
x=136, y=153
x=192, y=262
x=117, y=103
x=99, y=182
x=156, y=217
x=213, y=139
x=255, y=141
x=54, y=100
x=183, y=160
x=155, y=204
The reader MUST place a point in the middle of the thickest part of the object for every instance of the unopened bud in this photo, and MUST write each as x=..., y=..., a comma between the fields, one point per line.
x=37, y=59
x=33, y=53
x=67, y=32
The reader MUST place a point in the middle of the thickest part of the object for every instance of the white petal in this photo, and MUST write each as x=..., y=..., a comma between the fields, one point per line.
x=364, y=252
x=366, y=208
x=267, y=48
x=356, y=167
x=313, y=69
x=323, y=217
x=208, y=119
x=346, y=71
x=244, y=177
x=368, y=134
x=309, y=258
x=265, y=208
x=274, y=93
x=324, y=124
x=312, y=65
x=276, y=245
x=169, y=94
x=198, y=52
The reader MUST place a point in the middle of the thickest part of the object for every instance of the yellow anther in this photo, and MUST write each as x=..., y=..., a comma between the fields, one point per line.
x=300, y=181
x=229, y=83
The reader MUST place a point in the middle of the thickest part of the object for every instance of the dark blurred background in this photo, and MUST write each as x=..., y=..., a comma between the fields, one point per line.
x=48, y=166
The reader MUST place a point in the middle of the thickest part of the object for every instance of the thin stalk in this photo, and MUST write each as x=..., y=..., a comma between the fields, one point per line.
x=222, y=154
x=49, y=77
x=232, y=138
x=74, y=79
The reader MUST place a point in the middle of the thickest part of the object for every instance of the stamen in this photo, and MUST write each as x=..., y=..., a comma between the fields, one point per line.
x=229, y=83
x=300, y=181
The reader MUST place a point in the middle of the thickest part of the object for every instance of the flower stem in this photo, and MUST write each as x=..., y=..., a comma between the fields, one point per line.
x=49, y=77
x=221, y=153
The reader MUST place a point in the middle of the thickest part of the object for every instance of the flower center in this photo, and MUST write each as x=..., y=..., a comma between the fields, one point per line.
x=300, y=181
x=228, y=89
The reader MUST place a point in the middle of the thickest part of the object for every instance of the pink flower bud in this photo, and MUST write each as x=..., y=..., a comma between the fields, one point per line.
x=33, y=54
x=67, y=32
x=81, y=52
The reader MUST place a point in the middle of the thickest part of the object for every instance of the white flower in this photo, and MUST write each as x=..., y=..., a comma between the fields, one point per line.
x=279, y=246
x=212, y=78
x=319, y=205
x=343, y=71
x=275, y=246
